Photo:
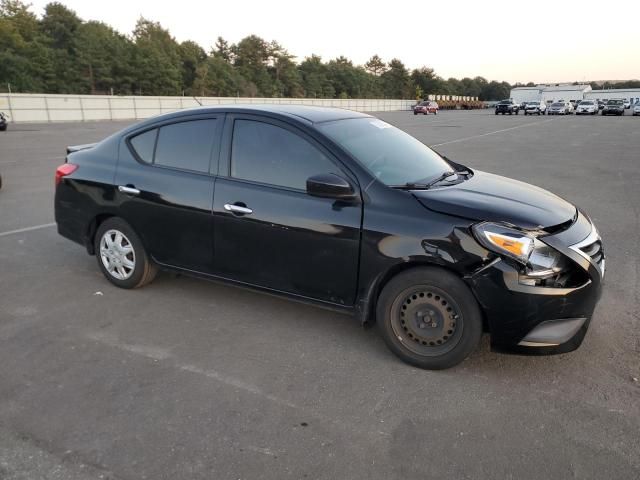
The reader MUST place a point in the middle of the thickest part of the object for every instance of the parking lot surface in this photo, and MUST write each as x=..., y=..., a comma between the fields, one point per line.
x=187, y=379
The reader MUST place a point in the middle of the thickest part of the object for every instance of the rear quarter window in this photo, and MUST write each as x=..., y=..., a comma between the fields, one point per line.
x=144, y=144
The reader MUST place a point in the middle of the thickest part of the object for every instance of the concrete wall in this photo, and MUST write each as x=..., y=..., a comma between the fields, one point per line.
x=23, y=107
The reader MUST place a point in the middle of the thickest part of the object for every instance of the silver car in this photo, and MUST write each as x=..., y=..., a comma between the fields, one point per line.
x=535, y=108
x=560, y=108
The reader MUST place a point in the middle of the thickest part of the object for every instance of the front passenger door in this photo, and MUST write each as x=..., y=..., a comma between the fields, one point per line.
x=267, y=230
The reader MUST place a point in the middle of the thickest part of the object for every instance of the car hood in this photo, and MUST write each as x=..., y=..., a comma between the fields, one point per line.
x=489, y=197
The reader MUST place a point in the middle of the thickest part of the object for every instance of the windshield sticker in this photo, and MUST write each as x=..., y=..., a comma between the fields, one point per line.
x=380, y=124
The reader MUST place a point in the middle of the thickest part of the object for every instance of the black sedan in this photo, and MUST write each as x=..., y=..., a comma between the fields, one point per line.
x=613, y=107
x=342, y=210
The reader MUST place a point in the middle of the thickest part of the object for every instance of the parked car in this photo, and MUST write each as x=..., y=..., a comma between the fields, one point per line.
x=627, y=104
x=425, y=108
x=601, y=104
x=560, y=108
x=535, y=108
x=636, y=109
x=338, y=209
x=587, y=107
x=3, y=122
x=614, y=107
x=507, y=106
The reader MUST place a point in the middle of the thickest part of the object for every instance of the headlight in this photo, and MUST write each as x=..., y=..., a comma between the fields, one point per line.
x=538, y=260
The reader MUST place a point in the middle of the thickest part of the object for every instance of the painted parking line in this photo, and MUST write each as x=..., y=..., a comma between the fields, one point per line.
x=464, y=139
x=26, y=229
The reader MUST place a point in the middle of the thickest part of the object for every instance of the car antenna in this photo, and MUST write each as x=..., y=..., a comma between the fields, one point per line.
x=196, y=99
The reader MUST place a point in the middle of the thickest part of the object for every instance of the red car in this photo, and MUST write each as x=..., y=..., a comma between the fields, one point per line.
x=425, y=108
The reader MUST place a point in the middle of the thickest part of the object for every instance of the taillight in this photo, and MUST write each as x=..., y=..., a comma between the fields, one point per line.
x=64, y=170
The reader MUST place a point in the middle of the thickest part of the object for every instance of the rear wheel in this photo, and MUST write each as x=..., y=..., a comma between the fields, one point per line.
x=429, y=318
x=121, y=256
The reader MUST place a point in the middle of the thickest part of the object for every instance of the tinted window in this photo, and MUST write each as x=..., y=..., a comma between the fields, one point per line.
x=186, y=145
x=143, y=144
x=264, y=153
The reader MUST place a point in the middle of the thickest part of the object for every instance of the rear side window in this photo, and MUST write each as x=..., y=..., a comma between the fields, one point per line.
x=185, y=145
x=144, y=144
x=265, y=153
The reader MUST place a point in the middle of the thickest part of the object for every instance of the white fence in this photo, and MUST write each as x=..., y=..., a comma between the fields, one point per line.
x=23, y=107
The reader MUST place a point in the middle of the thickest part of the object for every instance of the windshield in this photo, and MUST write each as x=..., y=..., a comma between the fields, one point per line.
x=586, y=102
x=505, y=102
x=423, y=104
x=614, y=102
x=391, y=155
x=557, y=105
x=533, y=103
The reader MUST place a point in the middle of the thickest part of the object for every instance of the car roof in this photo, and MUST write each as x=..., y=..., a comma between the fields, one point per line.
x=308, y=114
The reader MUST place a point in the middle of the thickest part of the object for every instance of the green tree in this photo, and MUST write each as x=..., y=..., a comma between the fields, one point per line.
x=251, y=58
x=428, y=81
x=104, y=59
x=375, y=66
x=157, y=60
x=395, y=81
x=192, y=56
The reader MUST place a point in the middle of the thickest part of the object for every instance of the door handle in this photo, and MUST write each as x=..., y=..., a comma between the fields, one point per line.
x=237, y=209
x=128, y=190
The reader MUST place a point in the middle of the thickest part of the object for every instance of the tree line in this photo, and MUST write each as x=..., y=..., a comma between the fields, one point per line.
x=61, y=53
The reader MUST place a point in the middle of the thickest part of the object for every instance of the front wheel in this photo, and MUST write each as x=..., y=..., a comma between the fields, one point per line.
x=121, y=256
x=429, y=318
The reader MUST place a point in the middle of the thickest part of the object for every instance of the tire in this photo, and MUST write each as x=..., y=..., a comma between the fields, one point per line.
x=133, y=269
x=517, y=112
x=452, y=313
x=435, y=112
x=496, y=113
x=415, y=113
x=3, y=128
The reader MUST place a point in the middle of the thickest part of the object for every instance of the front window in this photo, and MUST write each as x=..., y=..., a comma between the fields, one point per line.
x=391, y=155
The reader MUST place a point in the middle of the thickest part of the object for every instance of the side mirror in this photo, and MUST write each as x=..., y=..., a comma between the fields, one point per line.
x=330, y=185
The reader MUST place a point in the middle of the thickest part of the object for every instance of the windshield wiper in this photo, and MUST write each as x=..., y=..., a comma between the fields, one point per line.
x=423, y=186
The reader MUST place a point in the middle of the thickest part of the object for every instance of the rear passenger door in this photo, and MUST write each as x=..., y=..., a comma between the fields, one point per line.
x=165, y=188
x=268, y=231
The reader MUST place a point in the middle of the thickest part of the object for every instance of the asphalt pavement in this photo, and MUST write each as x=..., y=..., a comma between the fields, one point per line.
x=188, y=379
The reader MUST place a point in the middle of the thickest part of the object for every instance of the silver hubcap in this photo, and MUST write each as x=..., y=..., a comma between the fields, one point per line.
x=117, y=255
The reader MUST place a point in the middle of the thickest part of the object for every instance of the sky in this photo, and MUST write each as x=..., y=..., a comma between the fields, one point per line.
x=537, y=41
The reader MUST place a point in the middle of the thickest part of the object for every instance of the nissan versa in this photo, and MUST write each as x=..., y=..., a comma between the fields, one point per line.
x=339, y=209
